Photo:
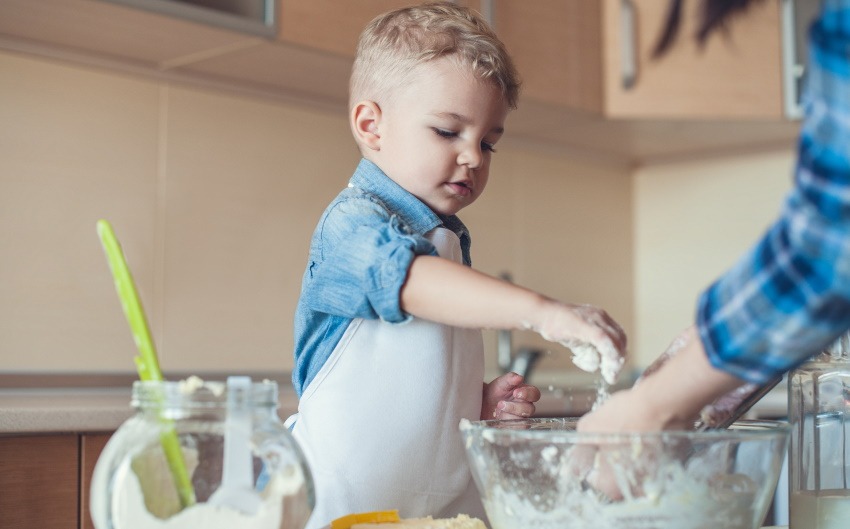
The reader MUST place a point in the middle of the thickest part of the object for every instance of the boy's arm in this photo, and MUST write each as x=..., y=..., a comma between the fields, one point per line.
x=446, y=292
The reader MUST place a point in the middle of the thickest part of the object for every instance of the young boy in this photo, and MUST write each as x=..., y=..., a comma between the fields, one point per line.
x=388, y=350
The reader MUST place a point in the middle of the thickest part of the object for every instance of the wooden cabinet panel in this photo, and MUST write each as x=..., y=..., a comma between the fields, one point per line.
x=556, y=45
x=736, y=75
x=39, y=476
x=569, y=53
x=575, y=53
x=90, y=447
x=333, y=25
x=113, y=31
x=329, y=25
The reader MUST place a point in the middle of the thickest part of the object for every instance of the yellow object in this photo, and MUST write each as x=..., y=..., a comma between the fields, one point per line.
x=365, y=517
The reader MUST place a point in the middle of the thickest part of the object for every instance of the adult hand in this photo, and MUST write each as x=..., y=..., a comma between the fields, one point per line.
x=508, y=397
x=669, y=396
x=596, y=340
x=720, y=410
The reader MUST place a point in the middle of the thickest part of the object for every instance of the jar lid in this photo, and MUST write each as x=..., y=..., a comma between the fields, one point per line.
x=196, y=393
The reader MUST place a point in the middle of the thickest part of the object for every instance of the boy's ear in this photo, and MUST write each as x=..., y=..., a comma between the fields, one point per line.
x=365, y=121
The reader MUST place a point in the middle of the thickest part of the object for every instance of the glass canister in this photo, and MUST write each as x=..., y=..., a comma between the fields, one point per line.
x=819, y=454
x=163, y=467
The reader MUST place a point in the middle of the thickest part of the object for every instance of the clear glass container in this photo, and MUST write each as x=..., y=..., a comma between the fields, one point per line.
x=543, y=474
x=162, y=466
x=819, y=454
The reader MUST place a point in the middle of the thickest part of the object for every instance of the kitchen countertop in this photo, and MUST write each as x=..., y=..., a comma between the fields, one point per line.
x=77, y=403
x=70, y=403
x=63, y=410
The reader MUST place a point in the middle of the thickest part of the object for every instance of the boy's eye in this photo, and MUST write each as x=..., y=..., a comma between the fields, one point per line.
x=444, y=133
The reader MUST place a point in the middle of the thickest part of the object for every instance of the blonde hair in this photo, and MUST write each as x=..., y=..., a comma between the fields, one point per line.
x=393, y=44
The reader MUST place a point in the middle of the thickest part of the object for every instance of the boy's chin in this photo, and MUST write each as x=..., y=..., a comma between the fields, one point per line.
x=449, y=208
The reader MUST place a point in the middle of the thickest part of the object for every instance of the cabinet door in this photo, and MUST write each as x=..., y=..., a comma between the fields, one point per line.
x=736, y=75
x=557, y=48
x=597, y=57
x=90, y=449
x=39, y=477
x=334, y=25
x=329, y=25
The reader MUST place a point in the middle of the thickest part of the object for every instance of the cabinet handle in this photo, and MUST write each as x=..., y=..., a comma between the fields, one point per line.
x=488, y=12
x=793, y=59
x=628, y=44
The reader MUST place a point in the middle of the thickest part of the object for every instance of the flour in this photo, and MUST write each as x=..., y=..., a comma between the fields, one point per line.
x=536, y=484
x=129, y=511
x=679, y=501
x=193, y=383
x=588, y=358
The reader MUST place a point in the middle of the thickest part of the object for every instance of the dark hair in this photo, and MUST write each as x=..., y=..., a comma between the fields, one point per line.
x=714, y=15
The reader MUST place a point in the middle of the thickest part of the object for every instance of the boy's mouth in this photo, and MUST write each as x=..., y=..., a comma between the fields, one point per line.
x=460, y=188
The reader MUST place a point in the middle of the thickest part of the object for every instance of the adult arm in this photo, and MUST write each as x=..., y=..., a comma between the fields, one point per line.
x=669, y=398
x=789, y=297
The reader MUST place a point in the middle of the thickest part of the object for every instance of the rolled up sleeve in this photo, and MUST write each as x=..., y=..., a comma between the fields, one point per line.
x=363, y=256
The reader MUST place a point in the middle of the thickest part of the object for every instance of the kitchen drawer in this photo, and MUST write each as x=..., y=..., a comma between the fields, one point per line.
x=39, y=481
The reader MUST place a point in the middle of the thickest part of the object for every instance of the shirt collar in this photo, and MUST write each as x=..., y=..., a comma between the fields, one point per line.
x=370, y=178
x=418, y=216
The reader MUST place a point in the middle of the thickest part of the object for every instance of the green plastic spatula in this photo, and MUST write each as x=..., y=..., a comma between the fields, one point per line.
x=147, y=363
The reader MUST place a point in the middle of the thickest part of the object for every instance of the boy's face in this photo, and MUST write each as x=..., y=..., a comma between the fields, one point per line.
x=437, y=135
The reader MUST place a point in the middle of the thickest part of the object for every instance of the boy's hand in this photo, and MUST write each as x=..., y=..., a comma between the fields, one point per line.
x=596, y=340
x=507, y=397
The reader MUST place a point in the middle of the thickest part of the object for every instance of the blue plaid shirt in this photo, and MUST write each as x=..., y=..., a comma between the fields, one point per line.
x=789, y=298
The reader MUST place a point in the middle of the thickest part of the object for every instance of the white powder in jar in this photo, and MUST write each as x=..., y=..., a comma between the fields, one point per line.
x=129, y=510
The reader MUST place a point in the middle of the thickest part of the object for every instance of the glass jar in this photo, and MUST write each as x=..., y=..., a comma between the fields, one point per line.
x=162, y=466
x=819, y=454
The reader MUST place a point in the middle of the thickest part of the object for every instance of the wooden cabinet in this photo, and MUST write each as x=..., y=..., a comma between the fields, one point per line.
x=329, y=25
x=39, y=479
x=44, y=480
x=570, y=54
x=91, y=445
x=333, y=25
x=596, y=57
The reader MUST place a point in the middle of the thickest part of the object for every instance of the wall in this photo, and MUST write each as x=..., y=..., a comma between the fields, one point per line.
x=214, y=197
x=692, y=221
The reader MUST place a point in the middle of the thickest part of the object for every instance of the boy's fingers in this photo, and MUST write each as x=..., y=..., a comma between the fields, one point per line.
x=527, y=393
x=514, y=410
x=507, y=382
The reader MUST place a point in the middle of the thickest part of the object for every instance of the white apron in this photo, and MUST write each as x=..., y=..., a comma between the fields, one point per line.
x=379, y=423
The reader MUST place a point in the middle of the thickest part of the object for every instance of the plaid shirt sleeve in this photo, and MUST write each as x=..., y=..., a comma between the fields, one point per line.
x=789, y=297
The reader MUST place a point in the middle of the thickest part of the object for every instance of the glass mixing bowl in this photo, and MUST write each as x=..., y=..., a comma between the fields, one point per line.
x=542, y=474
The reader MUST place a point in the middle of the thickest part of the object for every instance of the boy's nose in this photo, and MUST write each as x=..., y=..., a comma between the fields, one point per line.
x=471, y=156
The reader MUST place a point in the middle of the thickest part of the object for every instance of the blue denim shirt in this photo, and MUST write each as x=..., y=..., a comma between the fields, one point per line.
x=360, y=253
